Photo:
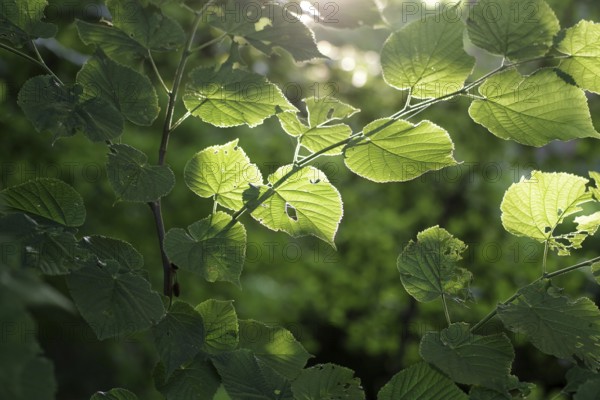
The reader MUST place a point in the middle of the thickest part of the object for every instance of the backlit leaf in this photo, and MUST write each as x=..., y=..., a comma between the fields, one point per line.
x=21, y=21
x=305, y=204
x=221, y=325
x=582, y=44
x=398, y=151
x=231, y=97
x=223, y=171
x=516, y=29
x=532, y=110
x=427, y=57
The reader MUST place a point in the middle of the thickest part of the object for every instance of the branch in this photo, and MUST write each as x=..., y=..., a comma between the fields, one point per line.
x=40, y=62
x=168, y=268
x=515, y=296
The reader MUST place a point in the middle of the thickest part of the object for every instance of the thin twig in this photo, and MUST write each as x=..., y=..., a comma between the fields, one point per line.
x=157, y=73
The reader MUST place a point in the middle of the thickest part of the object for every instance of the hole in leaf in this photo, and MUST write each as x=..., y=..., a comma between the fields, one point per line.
x=291, y=212
x=315, y=181
x=560, y=211
x=330, y=113
x=547, y=229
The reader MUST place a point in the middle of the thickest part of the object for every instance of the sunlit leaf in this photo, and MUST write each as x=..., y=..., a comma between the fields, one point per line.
x=231, y=97
x=327, y=381
x=221, y=325
x=223, y=171
x=266, y=26
x=535, y=207
x=398, y=151
x=48, y=198
x=516, y=29
x=275, y=346
x=534, y=109
x=427, y=57
x=125, y=89
x=428, y=267
x=582, y=44
x=470, y=359
x=133, y=179
x=420, y=381
x=317, y=133
x=305, y=204
x=113, y=301
x=212, y=247
x=555, y=324
x=60, y=110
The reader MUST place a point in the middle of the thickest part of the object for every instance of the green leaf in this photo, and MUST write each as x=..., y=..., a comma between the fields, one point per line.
x=221, y=325
x=133, y=179
x=398, y=151
x=420, y=381
x=317, y=134
x=515, y=29
x=224, y=172
x=582, y=44
x=60, y=110
x=179, y=336
x=232, y=97
x=146, y=25
x=588, y=391
x=114, y=42
x=275, y=346
x=114, y=302
x=106, y=248
x=595, y=190
x=21, y=21
x=427, y=57
x=532, y=110
x=48, y=198
x=596, y=271
x=212, y=247
x=54, y=252
x=267, y=26
x=327, y=381
x=305, y=204
x=428, y=267
x=576, y=376
x=555, y=324
x=246, y=377
x=516, y=390
x=125, y=89
x=196, y=381
x=114, y=394
x=469, y=359
x=535, y=207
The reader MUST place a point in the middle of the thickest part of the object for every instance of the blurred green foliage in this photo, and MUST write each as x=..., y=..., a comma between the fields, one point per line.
x=346, y=307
